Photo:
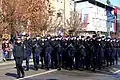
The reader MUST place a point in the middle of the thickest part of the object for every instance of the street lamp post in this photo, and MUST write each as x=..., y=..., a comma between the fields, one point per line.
x=74, y=12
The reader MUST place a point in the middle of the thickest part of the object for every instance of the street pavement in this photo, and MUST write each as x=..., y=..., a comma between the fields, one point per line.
x=8, y=72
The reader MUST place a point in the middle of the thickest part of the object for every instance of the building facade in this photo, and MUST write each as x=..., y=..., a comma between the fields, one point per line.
x=61, y=12
x=95, y=16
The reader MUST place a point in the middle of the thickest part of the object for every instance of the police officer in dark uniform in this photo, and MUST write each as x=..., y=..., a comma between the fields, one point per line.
x=28, y=45
x=77, y=54
x=82, y=53
x=64, y=44
x=111, y=52
x=42, y=55
x=53, y=43
x=107, y=51
x=71, y=53
x=103, y=51
x=59, y=53
x=48, y=51
x=99, y=53
x=19, y=55
x=93, y=42
x=88, y=52
x=117, y=50
x=36, y=53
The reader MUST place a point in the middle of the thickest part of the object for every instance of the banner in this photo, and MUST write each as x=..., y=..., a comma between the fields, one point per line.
x=110, y=19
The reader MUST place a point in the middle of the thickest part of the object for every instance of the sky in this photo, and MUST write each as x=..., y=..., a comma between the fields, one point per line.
x=114, y=2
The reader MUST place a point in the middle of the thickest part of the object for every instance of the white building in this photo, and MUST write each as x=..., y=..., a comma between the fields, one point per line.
x=96, y=16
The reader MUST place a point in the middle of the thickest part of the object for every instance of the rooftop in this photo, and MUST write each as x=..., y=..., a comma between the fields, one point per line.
x=96, y=3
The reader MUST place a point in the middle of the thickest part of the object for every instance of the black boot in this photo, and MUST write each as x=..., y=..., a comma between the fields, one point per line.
x=36, y=69
x=59, y=68
x=23, y=75
x=18, y=76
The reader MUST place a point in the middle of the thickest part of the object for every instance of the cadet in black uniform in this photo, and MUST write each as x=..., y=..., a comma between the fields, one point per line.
x=28, y=49
x=48, y=51
x=59, y=53
x=36, y=53
x=71, y=52
x=53, y=43
x=19, y=55
x=42, y=55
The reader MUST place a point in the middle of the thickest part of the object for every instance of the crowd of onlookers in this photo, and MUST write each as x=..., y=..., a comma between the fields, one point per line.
x=7, y=47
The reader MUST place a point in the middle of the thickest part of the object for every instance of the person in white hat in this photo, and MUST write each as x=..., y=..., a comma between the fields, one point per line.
x=19, y=54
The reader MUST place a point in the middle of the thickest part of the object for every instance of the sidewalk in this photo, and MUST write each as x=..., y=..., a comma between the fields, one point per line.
x=12, y=62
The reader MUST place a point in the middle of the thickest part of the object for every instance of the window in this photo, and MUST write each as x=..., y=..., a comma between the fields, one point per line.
x=60, y=1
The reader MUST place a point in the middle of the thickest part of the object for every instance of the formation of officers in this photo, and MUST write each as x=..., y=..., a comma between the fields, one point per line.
x=70, y=52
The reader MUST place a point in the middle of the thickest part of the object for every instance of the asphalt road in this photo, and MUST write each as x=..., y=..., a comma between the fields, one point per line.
x=8, y=72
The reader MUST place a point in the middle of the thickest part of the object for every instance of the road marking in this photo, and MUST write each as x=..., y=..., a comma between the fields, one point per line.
x=38, y=74
x=116, y=71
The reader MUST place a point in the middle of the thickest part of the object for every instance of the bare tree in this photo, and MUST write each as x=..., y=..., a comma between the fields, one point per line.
x=17, y=13
x=75, y=22
x=56, y=21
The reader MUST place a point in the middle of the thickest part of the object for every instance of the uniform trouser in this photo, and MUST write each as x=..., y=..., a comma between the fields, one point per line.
x=88, y=60
x=111, y=59
x=19, y=67
x=116, y=58
x=107, y=59
x=82, y=62
x=64, y=61
x=99, y=63
x=28, y=54
x=70, y=62
x=42, y=59
x=53, y=60
x=36, y=58
x=47, y=61
x=77, y=61
x=93, y=63
x=116, y=55
x=59, y=63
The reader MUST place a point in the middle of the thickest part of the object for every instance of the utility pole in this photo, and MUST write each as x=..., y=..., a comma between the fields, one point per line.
x=74, y=12
x=64, y=14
